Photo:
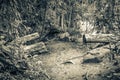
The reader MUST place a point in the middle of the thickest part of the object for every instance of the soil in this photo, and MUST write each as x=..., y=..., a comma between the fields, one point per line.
x=55, y=65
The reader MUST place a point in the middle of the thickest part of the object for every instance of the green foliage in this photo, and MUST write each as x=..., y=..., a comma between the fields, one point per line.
x=33, y=14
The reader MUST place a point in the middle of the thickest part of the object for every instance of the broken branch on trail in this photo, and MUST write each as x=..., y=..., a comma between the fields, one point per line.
x=95, y=54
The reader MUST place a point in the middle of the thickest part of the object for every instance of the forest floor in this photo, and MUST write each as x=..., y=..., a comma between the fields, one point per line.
x=65, y=61
x=59, y=52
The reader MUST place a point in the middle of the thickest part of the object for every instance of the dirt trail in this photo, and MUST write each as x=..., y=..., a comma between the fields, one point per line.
x=60, y=52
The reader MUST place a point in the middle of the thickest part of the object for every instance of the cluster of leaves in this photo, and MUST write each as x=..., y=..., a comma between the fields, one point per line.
x=105, y=14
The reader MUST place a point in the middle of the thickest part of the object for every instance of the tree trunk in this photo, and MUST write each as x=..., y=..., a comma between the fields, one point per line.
x=37, y=47
x=18, y=45
x=70, y=17
x=59, y=22
x=62, y=21
x=99, y=38
x=24, y=39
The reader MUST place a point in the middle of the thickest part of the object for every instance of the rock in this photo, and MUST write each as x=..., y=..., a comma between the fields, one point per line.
x=64, y=36
x=92, y=60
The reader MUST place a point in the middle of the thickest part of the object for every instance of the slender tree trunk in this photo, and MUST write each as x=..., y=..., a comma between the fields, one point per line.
x=70, y=16
x=58, y=20
x=62, y=21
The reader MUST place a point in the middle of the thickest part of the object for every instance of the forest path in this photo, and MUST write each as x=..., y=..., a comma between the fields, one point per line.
x=62, y=51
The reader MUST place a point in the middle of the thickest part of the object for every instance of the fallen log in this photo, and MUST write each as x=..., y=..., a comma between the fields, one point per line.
x=18, y=45
x=37, y=47
x=100, y=38
x=24, y=39
x=12, y=54
x=96, y=38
